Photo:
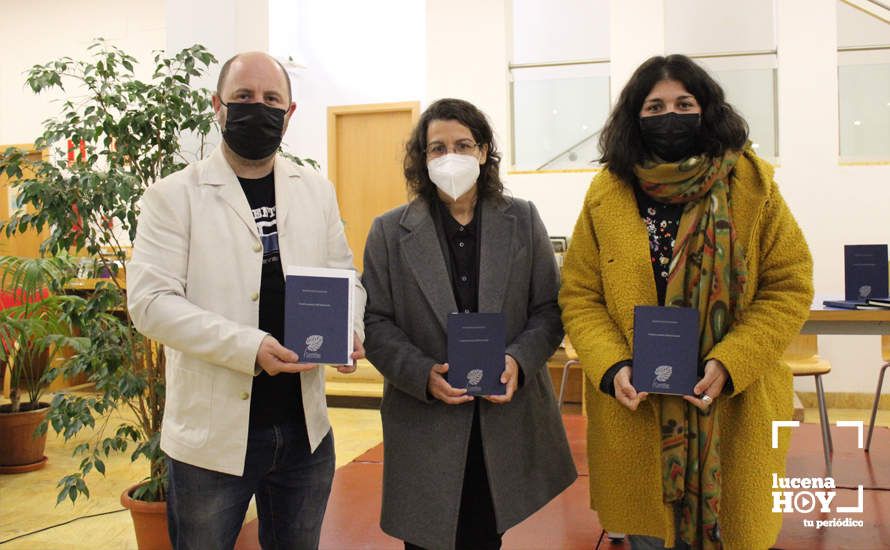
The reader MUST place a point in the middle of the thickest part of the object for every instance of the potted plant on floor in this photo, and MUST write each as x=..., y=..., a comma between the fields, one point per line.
x=115, y=135
x=34, y=329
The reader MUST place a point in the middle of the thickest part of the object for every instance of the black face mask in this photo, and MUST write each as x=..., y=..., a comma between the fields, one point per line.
x=253, y=130
x=671, y=136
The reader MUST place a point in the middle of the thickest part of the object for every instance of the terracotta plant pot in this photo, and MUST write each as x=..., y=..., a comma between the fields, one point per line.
x=20, y=451
x=149, y=520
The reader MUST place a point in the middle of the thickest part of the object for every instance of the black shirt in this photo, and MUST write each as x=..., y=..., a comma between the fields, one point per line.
x=462, y=255
x=278, y=399
x=662, y=222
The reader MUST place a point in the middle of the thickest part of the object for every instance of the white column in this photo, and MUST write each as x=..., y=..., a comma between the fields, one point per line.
x=807, y=83
x=224, y=27
x=467, y=58
x=636, y=33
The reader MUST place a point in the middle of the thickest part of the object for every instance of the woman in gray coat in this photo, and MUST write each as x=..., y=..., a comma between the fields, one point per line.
x=459, y=470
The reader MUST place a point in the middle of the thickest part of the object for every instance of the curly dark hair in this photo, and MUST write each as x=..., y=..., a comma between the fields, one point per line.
x=621, y=142
x=419, y=183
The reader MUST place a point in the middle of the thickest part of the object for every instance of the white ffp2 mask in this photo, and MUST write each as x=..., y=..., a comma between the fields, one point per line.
x=454, y=174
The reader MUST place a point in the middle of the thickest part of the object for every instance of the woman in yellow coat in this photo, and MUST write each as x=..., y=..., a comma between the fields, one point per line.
x=685, y=214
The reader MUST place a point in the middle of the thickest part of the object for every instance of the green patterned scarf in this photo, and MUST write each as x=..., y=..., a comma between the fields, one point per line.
x=707, y=272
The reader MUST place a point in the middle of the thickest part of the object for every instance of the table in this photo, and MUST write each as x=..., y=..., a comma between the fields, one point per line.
x=824, y=320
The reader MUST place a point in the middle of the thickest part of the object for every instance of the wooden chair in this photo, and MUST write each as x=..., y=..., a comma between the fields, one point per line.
x=802, y=356
x=885, y=355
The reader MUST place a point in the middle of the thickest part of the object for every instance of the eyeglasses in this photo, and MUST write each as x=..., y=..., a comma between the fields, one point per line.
x=438, y=149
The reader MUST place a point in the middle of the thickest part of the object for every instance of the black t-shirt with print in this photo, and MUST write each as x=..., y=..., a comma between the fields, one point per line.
x=274, y=399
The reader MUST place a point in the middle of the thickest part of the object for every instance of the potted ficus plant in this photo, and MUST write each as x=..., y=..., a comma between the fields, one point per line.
x=127, y=133
x=34, y=328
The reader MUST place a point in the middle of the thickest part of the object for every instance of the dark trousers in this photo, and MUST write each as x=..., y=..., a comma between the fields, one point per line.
x=476, y=525
x=205, y=509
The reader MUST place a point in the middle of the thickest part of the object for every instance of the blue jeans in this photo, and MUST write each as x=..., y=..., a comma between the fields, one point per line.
x=206, y=509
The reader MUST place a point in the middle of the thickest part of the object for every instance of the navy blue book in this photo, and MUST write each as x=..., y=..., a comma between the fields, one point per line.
x=318, y=309
x=476, y=351
x=665, y=358
x=851, y=304
x=865, y=272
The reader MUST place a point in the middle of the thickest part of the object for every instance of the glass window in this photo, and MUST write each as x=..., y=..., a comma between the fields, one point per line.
x=742, y=61
x=557, y=115
x=858, y=28
x=560, y=88
x=864, y=97
x=863, y=83
x=749, y=83
x=704, y=26
x=583, y=30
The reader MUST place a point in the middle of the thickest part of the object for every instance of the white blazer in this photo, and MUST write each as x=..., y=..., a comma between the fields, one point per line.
x=193, y=285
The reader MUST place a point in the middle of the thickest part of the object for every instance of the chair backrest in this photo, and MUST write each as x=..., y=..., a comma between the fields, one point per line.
x=885, y=348
x=804, y=346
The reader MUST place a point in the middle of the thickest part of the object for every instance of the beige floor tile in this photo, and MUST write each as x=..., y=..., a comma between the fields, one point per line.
x=28, y=500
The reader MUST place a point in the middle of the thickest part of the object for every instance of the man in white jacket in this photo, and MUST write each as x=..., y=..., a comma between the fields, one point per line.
x=243, y=417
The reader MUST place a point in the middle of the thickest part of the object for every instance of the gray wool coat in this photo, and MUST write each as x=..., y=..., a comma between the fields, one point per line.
x=526, y=453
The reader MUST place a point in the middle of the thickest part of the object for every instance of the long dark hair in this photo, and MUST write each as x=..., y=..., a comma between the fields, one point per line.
x=621, y=143
x=419, y=182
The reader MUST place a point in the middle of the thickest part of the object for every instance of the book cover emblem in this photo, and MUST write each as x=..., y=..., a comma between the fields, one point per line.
x=662, y=376
x=474, y=377
x=313, y=346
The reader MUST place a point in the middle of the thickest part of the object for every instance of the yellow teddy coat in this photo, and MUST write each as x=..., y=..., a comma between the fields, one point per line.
x=607, y=272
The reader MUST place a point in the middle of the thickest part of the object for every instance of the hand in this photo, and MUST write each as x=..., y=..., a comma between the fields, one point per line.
x=711, y=385
x=510, y=377
x=442, y=390
x=358, y=352
x=625, y=392
x=274, y=358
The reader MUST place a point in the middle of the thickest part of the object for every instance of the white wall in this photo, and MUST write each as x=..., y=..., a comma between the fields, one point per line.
x=352, y=52
x=40, y=31
x=468, y=44
x=356, y=52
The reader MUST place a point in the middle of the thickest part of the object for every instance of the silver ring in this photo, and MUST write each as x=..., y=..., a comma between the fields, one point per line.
x=706, y=398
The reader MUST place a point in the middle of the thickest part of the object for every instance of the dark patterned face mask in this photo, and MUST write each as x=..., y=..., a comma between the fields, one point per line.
x=253, y=130
x=671, y=136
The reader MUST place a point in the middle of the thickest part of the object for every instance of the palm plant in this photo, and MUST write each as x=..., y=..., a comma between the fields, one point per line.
x=36, y=330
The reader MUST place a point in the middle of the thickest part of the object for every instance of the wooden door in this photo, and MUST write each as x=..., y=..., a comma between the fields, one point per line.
x=27, y=244
x=366, y=146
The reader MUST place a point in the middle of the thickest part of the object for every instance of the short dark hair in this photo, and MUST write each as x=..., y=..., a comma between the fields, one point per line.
x=419, y=183
x=621, y=142
x=224, y=73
